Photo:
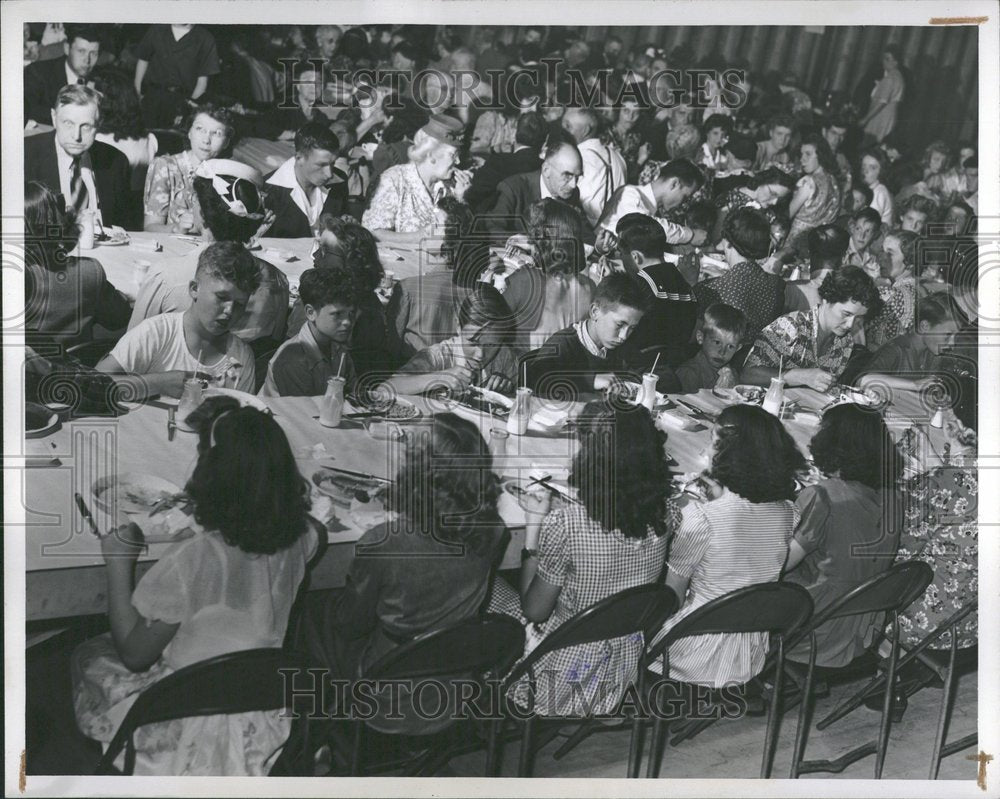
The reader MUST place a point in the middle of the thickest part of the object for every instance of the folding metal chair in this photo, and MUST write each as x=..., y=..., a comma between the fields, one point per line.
x=482, y=647
x=889, y=592
x=641, y=609
x=237, y=682
x=776, y=608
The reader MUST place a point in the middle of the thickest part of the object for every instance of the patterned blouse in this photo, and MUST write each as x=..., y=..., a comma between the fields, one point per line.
x=169, y=188
x=821, y=206
x=401, y=202
x=941, y=529
x=897, y=315
x=794, y=338
x=589, y=564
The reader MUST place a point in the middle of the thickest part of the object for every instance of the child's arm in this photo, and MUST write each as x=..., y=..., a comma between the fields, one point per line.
x=139, y=643
x=457, y=378
x=892, y=381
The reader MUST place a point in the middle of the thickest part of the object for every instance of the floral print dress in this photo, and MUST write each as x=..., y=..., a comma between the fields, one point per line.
x=793, y=337
x=897, y=315
x=169, y=191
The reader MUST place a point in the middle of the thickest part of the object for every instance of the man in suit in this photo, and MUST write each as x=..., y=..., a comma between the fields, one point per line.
x=307, y=185
x=90, y=175
x=44, y=79
x=528, y=141
x=557, y=178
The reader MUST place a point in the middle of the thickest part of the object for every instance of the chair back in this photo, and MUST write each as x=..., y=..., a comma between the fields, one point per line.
x=891, y=590
x=777, y=608
x=472, y=646
x=641, y=609
x=236, y=682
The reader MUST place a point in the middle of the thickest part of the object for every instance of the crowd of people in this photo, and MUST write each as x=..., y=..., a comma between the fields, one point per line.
x=716, y=244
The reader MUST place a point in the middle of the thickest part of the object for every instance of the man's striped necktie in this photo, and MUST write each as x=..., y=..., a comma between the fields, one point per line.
x=79, y=199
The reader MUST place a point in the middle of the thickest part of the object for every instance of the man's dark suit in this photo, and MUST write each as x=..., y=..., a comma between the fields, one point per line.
x=515, y=196
x=112, y=176
x=289, y=221
x=499, y=166
x=42, y=82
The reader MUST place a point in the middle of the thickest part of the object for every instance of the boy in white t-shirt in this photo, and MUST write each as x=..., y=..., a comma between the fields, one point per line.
x=198, y=340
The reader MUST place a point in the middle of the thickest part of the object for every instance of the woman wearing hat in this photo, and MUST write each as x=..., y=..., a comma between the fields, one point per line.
x=403, y=207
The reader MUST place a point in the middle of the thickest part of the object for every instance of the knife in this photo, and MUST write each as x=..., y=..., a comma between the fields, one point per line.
x=698, y=413
x=362, y=475
x=86, y=514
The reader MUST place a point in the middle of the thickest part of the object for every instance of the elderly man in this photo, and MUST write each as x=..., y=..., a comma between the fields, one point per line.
x=676, y=181
x=90, y=175
x=558, y=177
x=307, y=184
x=327, y=38
x=44, y=79
x=603, y=166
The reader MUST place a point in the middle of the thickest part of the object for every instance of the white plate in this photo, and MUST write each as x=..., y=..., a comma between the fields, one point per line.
x=246, y=400
x=661, y=399
x=136, y=493
x=51, y=421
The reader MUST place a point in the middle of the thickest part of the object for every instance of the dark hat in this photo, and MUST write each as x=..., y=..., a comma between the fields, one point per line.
x=742, y=148
x=445, y=129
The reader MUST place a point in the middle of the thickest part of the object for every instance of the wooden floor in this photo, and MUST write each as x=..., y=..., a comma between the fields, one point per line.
x=727, y=749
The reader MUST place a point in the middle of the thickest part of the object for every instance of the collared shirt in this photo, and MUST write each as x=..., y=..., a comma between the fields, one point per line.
x=603, y=174
x=66, y=165
x=299, y=368
x=866, y=260
x=588, y=343
x=73, y=78
x=311, y=203
x=640, y=200
x=792, y=340
x=545, y=193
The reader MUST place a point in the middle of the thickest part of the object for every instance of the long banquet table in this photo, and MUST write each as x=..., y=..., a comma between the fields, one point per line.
x=65, y=575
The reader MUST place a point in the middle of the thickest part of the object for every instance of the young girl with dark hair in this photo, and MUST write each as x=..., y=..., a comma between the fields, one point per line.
x=737, y=537
x=850, y=526
x=577, y=554
x=227, y=587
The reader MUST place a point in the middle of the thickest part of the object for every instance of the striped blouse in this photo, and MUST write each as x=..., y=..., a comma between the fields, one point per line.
x=722, y=546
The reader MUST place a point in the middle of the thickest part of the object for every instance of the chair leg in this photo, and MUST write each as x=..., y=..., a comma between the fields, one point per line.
x=493, y=748
x=656, y=748
x=525, y=764
x=635, y=748
x=885, y=724
x=770, y=738
x=945, y=713
x=802, y=729
x=357, y=750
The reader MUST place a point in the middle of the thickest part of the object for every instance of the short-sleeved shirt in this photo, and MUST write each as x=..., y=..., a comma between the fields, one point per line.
x=158, y=345
x=224, y=599
x=792, y=337
x=177, y=62
x=747, y=287
x=589, y=564
x=300, y=369
x=697, y=373
x=900, y=357
x=169, y=190
x=401, y=202
x=722, y=546
x=165, y=290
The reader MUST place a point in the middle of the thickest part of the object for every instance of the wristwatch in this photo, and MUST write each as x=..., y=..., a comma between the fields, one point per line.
x=528, y=553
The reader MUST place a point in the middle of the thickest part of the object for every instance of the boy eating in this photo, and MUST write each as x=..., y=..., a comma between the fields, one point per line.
x=719, y=337
x=302, y=365
x=584, y=356
x=198, y=340
x=865, y=226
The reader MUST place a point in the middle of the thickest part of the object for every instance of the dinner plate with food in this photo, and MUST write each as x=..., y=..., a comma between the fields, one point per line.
x=395, y=409
x=112, y=236
x=132, y=493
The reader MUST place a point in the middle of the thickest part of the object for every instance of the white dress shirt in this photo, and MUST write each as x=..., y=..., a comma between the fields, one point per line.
x=640, y=200
x=603, y=174
x=65, y=163
x=311, y=205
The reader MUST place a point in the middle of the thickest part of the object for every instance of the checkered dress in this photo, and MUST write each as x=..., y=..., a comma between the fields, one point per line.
x=589, y=563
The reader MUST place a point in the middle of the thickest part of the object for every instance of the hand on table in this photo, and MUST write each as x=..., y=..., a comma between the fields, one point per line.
x=184, y=223
x=458, y=377
x=499, y=384
x=813, y=378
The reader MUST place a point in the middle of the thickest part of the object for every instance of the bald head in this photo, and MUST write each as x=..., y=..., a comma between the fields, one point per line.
x=561, y=169
x=580, y=123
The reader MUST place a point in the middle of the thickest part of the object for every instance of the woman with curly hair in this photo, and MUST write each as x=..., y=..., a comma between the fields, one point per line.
x=816, y=200
x=428, y=566
x=577, y=554
x=737, y=537
x=814, y=346
x=226, y=586
x=851, y=520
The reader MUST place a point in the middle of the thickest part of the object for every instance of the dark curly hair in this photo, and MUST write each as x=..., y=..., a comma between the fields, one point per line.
x=356, y=247
x=50, y=232
x=332, y=285
x=855, y=444
x=754, y=455
x=824, y=154
x=446, y=485
x=555, y=230
x=121, y=113
x=246, y=483
x=621, y=470
x=851, y=284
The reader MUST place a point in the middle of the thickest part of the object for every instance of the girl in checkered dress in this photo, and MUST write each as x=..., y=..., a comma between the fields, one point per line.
x=615, y=538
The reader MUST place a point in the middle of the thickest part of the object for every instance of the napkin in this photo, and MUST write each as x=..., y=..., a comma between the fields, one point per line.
x=677, y=421
x=146, y=245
